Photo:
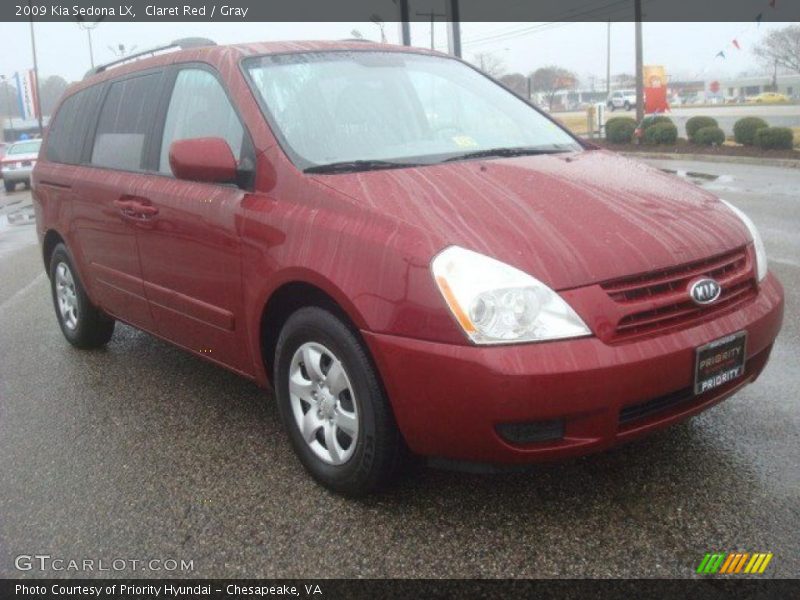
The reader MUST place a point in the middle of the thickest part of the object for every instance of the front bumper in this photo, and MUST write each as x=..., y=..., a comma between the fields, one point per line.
x=449, y=400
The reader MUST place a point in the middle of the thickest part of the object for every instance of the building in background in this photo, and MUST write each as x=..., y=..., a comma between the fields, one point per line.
x=744, y=87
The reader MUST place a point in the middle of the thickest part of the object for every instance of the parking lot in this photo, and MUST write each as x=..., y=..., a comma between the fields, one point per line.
x=140, y=451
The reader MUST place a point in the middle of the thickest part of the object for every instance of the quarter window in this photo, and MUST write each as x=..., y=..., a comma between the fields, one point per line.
x=125, y=122
x=199, y=108
x=68, y=130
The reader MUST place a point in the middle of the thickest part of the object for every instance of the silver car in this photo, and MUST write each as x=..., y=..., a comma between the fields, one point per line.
x=18, y=163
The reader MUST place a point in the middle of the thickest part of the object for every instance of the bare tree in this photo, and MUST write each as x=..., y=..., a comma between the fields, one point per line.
x=551, y=80
x=489, y=63
x=516, y=82
x=781, y=48
x=9, y=107
x=623, y=80
x=50, y=92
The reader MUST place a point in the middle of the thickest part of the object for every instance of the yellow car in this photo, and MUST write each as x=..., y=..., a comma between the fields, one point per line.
x=769, y=98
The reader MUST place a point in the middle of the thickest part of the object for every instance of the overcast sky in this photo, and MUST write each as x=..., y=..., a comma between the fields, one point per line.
x=687, y=50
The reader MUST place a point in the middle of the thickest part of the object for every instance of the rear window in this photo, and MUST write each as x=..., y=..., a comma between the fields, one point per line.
x=67, y=132
x=31, y=147
x=125, y=123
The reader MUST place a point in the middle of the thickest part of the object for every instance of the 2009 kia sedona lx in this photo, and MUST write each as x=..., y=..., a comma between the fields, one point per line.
x=412, y=256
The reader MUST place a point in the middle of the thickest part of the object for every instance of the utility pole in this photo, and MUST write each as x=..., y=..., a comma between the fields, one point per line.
x=454, y=29
x=639, y=63
x=405, y=26
x=36, y=105
x=433, y=16
x=608, y=59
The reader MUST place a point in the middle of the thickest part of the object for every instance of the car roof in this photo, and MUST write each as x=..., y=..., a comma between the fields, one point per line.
x=231, y=55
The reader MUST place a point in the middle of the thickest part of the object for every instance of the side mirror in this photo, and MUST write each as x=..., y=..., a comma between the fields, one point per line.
x=206, y=159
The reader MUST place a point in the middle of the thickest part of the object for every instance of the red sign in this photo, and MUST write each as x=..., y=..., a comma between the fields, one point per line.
x=714, y=86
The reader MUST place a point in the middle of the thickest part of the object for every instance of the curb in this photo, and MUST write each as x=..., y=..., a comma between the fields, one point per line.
x=786, y=163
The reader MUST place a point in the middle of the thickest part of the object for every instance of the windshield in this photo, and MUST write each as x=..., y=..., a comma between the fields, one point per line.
x=25, y=147
x=384, y=108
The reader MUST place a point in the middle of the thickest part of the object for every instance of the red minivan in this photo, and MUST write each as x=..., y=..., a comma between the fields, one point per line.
x=413, y=257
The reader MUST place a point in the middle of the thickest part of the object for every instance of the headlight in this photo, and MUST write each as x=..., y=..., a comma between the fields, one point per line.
x=497, y=304
x=758, y=244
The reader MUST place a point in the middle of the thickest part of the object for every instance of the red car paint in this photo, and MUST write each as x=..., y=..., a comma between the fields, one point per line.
x=201, y=270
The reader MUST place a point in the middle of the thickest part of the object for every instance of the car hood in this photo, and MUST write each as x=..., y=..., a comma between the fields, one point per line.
x=567, y=219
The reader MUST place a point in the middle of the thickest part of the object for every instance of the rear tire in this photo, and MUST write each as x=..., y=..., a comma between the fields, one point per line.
x=9, y=186
x=338, y=419
x=84, y=325
x=627, y=106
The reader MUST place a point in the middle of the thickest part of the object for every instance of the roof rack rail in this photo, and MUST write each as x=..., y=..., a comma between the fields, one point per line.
x=182, y=44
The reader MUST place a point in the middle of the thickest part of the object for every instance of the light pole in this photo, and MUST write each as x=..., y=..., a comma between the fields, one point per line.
x=379, y=22
x=121, y=51
x=432, y=14
x=639, y=63
x=608, y=59
x=88, y=27
x=37, y=108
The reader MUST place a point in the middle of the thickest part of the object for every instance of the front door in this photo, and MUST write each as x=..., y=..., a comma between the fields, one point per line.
x=190, y=246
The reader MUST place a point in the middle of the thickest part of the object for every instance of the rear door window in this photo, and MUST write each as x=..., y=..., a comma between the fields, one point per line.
x=199, y=107
x=126, y=122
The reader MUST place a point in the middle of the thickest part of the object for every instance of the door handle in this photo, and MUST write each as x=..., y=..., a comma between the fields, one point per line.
x=136, y=207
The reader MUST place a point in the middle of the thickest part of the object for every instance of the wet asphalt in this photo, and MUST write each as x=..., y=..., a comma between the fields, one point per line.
x=140, y=451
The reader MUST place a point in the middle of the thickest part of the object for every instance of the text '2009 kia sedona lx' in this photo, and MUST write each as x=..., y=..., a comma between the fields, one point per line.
x=413, y=257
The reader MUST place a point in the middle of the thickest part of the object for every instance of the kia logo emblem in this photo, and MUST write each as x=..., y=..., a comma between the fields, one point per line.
x=704, y=291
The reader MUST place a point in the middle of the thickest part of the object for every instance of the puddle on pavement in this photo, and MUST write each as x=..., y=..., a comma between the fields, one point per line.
x=698, y=177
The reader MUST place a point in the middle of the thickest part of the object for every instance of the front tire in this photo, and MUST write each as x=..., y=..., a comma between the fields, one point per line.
x=84, y=325
x=331, y=402
x=9, y=186
x=627, y=106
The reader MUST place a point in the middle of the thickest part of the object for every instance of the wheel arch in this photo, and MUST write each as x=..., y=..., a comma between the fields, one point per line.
x=290, y=296
x=50, y=240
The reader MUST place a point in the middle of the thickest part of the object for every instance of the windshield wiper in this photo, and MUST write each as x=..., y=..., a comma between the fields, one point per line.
x=508, y=152
x=358, y=165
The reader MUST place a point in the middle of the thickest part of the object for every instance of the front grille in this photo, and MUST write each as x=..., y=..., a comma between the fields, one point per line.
x=655, y=406
x=657, y=301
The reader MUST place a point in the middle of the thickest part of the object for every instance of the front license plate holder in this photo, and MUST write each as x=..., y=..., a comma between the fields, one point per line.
x=719, y=362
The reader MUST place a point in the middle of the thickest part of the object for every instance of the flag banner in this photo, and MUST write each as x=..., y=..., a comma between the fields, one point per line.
x=26, y=94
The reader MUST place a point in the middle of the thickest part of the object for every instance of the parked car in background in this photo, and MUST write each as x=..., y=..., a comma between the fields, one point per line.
x=769, y=98
x=3, y=147
x=625, y=99
x=484, y=288
x=18, y=162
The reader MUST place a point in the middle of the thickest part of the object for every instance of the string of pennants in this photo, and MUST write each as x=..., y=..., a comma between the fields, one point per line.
x=735, y=45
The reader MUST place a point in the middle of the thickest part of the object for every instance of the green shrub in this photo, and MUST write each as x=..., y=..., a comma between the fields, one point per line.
x=661, y=133
x=778, y=138
x=744, y=130
x=648, y=122
x=695, y=124
x=708, y=136
x=619, y=130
